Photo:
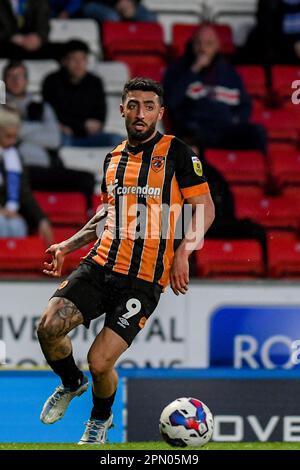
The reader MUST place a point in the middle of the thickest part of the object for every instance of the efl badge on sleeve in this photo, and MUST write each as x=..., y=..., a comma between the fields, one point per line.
x=197, y=166
x=157, y=163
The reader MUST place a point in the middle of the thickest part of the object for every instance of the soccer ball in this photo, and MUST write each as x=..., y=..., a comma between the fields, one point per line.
x=186, y=422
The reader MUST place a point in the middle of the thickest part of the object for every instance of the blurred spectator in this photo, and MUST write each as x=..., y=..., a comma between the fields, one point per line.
x=117, y=10
x=64, y=9
x=39, y=130
x=276, y=36
x=24, y=27
x=78, y=99
x=206, y=100
x=40, y=138
x=19, y=212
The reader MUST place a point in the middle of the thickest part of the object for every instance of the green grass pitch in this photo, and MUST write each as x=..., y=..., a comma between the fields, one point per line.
x=156, y=446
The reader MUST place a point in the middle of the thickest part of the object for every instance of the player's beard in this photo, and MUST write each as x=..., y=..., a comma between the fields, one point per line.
x=140, y=136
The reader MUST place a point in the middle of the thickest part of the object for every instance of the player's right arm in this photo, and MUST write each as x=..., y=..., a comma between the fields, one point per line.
x=85, y=236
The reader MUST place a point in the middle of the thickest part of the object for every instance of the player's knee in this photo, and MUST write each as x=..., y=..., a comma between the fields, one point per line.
x=49, y=330
x=51, y=325
x=100, y=366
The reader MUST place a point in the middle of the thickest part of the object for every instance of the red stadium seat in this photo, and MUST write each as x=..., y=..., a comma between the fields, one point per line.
x=282, y=77
x=126, y=37
x=62, y=233
x=292, y=192
x=282, y=235
x=144, y=66
x=271, y=211
x=183, y=32
x=63, y=208
x=247, y=191
x=96, y=202
x=73, y=259
x=22, y=254
x=285, y=164
x=280, y=123
x=239, y=166
x=284, y=257
x=253, y=77
x=229, y=258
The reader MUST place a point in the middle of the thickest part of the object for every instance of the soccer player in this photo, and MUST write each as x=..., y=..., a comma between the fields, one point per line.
x=131, y=262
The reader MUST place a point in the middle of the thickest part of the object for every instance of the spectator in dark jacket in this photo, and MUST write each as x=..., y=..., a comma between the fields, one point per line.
x=78, y=99
x=24, y=27
x=276, y=35
x=206, y=100
x=19, y=212
x=117, y=10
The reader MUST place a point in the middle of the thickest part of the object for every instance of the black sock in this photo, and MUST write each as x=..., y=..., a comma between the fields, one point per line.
x=68, y=371
x=102, y=407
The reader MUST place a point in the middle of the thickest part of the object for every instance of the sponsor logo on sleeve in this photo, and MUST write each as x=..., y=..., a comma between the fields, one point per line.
x=197, y=166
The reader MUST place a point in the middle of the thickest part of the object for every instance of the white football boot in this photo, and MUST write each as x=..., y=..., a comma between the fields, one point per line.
x=96, y=431
x=57, y=404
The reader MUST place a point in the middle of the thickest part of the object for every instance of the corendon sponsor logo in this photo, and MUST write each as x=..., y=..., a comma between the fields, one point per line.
x=143, y=191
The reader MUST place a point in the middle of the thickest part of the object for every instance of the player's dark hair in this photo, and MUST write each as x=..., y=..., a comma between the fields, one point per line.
x=13, y=64
x=143, y=84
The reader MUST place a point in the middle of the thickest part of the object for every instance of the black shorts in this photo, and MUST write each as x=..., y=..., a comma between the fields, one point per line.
x=128, y=302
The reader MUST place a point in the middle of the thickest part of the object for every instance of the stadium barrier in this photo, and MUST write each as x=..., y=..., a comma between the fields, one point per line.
x=261, y=321
x=247, y=405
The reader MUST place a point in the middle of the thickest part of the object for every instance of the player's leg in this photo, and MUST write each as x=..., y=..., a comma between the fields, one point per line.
x=127, y=312
x=103, y=354
x=76, y=301
x=59, y=318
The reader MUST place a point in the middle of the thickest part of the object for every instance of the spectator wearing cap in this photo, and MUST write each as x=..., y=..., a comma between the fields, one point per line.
x=78, y=98
x=117, y=10
x=206, y=99
x=19, y=211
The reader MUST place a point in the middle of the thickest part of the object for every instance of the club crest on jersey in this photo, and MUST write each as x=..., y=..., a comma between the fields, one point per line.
x=197, y=166
x=157, y=163
x=63, y=284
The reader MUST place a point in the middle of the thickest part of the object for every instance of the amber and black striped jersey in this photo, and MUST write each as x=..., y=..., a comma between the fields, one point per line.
x=141, y=187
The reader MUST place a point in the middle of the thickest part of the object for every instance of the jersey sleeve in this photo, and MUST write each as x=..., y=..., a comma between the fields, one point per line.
x=189, y=173
x=104, y=195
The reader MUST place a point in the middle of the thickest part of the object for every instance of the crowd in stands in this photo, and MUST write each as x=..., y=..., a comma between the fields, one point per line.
x=208, y=104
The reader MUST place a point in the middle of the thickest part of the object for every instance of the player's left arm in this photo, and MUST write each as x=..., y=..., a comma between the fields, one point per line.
x=203, y=216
